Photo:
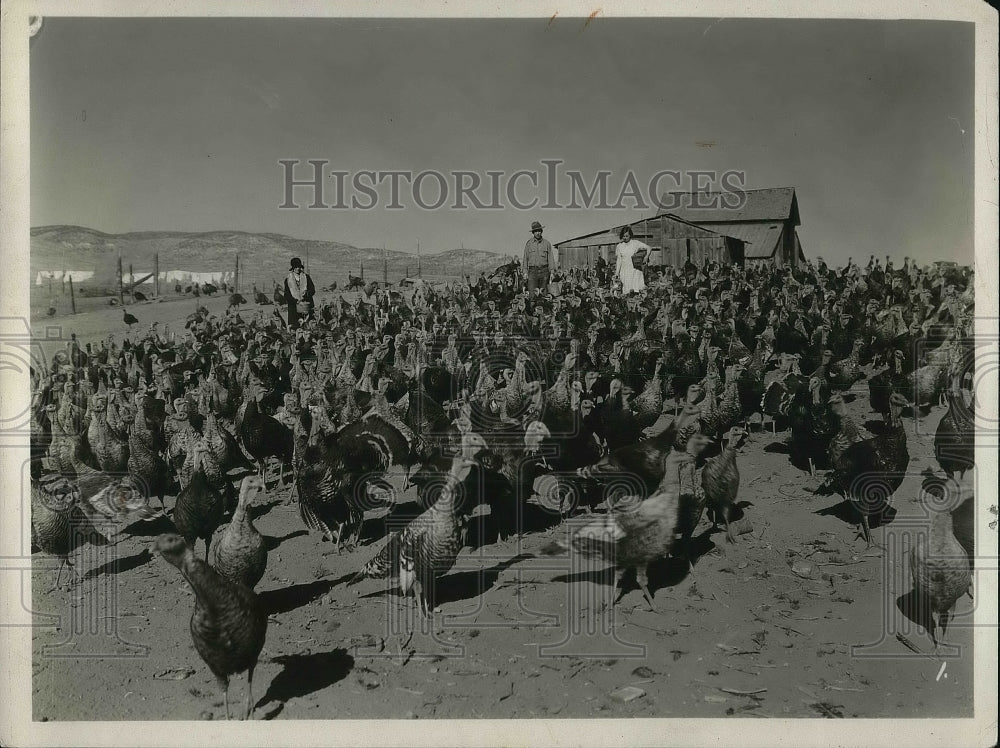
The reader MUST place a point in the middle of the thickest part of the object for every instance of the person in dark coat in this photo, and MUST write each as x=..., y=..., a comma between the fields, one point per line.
x=299, y=288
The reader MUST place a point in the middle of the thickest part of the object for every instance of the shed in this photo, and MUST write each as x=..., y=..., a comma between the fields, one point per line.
x=672, y=241
x=765, y=220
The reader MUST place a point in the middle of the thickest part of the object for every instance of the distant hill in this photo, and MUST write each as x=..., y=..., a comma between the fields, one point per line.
x=263, y=257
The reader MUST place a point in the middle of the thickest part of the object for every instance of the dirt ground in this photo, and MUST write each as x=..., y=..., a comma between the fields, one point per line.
x=96, y=319
x=797, y=619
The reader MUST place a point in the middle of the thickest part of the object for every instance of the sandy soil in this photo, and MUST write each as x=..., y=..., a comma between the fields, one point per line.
x=516, y=635
x=95, y=319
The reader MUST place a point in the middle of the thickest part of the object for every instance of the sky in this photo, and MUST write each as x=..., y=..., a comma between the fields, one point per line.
x=180, y=124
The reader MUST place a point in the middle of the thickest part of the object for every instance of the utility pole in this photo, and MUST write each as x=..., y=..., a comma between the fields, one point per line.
x=72, y=295
x=156, y=275
x=362, y=270
x=419, y=269
x=385, y=267
x=236, y=275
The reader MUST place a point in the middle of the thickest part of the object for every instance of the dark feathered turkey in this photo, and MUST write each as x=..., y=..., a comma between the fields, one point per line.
x=955, y=438
x=199, y=508
x=868, y=472
x=229, y=623
x=338, y=472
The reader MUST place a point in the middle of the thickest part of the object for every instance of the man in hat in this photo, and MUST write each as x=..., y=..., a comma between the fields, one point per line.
x=299, y=292
x=539, y=259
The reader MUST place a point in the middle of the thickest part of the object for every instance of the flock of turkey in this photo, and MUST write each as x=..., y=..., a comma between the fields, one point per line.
x=484, y=398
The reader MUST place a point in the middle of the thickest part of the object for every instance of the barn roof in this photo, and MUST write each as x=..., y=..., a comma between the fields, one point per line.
x=610, y=236
x=771, y=204
x=761, y=238
x=590, y=240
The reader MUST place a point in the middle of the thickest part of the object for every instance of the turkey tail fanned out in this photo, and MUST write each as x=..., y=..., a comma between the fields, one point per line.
x=383, y=563
x=311, y=519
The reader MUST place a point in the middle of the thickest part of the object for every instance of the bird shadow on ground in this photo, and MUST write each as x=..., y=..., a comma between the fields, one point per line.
x=800, y=462
x=259, y=510
x=288, y=599
x=118, y=565
x=153, y=527
x=847, y=513
x=271, y=542
x=779, y=448
x=303, y=674
x=463, y=585
x=661, y=573
x=916, y=609
x=484, y=529
x=917, y=411
x=466, y=585
x=699, y=546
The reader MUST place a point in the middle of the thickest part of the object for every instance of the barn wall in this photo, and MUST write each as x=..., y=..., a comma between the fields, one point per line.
x=791, y=251
x=672, y=243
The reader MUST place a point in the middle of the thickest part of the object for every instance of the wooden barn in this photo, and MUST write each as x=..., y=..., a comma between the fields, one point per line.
x=672, y=241
x=765, y=220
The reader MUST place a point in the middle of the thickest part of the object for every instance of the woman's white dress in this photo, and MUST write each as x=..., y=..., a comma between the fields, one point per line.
x=631, y=279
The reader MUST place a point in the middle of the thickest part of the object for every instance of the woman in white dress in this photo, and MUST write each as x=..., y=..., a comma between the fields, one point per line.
x=630, y=277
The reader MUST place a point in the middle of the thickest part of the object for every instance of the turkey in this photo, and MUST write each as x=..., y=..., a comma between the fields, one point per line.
x=868, y=472
x=954, y=440
x=238, y=553
x=812, y=425
x=939, y=565
x=644, y=459
x=692, y=498
x=53, y=502
x=199, y=507
x=110, y=445
x=427, y=547
x=340, y=474
x=263, y=436
x=146, y=444
x=635, y=533
x=720, y=479
x=229, y=623
x=649, y=404
x=844, y=373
